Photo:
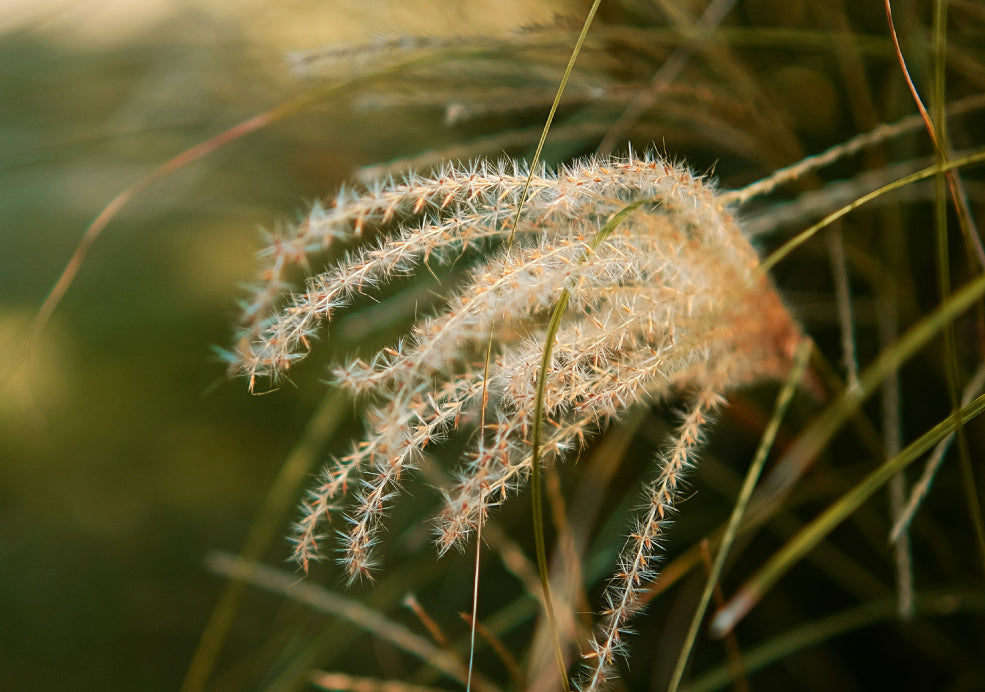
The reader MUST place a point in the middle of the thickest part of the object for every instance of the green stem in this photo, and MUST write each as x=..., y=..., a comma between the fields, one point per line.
x=742, y=502
x=753, y=591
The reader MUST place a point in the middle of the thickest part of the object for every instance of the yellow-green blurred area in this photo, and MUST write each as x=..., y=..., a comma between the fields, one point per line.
x=125, y=454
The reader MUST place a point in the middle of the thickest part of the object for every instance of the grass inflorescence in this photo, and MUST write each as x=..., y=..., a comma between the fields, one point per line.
x=582, y=293
x=669, y=305
x=584, y=276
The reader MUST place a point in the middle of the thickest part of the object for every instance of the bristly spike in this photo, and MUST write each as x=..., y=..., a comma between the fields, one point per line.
x=662, y=299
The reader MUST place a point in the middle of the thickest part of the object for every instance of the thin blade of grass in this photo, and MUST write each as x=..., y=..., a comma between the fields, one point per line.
x=754, y=589
x=499, y=648
x=325, y=601
x=970, y=483
x=938, y=140
x=713, y=15
x=822, y=429
x=172, y=165
x=281, y=495
x=537, y=424
x=805, y=235
x=550, y=116
x=815, y=632
x=187, y=157
x=752, y=476
x=839, y=152
x=535, y=485
x=922, y=487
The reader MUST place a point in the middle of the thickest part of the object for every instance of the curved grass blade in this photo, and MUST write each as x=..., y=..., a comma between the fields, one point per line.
x=281, y=495
x=812, y=633
x=325, y=601
x=535, y=483
x=752, y=476
x=550, y=116
x=538, y=517
x=187, y=157
x=754, y=589
x=802, y=237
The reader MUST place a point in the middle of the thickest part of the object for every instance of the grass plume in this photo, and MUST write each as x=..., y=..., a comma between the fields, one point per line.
x=668, y=304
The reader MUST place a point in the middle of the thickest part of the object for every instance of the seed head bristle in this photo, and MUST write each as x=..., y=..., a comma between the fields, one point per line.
x=669, y=303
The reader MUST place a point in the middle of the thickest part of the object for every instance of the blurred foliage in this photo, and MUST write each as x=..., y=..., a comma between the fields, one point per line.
x=126, y=455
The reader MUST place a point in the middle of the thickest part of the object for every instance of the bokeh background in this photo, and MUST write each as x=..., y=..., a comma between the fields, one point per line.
x=125, y=453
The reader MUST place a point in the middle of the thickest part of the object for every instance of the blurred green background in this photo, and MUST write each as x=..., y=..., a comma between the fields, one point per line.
x=125, y=454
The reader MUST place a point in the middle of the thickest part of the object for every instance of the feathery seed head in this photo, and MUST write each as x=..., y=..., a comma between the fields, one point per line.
x=669, y=302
